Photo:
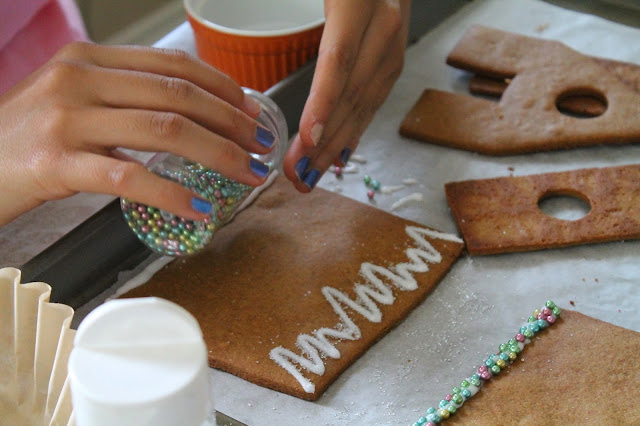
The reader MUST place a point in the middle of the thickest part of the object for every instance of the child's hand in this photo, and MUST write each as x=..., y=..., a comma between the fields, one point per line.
x=60, y=127
x=361, y=56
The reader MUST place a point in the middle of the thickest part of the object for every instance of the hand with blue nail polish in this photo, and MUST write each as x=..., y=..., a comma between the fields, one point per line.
x=361, y=56
x=310, y=178
x=61, y=127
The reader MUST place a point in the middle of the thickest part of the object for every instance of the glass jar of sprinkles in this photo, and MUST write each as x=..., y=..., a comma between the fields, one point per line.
x=171, y=235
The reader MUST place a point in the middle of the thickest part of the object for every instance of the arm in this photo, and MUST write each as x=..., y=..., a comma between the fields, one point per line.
x=60, y=127
x=361, y=56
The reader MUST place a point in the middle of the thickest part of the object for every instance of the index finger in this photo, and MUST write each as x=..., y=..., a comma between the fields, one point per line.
x=166, y=62
x=344, y=29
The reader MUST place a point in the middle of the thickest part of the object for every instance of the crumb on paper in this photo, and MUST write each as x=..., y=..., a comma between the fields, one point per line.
x=358, y=159
x=510, y=168
x=390, y=189
x=572, y=303
x=350, y=168
x=415, y=197
x=540, y=28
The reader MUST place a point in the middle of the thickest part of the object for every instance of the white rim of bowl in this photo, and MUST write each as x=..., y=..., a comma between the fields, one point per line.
x=251, y=33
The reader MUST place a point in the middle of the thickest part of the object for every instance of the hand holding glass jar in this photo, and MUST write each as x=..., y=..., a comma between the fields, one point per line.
x=61, y=127
x=172, y=235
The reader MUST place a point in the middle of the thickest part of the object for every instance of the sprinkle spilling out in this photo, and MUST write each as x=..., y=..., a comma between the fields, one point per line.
x=494, y=364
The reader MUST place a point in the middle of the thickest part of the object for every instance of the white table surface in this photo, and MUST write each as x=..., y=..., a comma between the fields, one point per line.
x=483, y=300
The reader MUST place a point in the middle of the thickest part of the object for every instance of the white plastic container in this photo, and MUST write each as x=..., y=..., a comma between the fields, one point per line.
x=139, y=362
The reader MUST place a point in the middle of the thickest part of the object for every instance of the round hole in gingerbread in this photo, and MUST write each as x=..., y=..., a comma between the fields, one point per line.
x=582, y=103
x=564, y=206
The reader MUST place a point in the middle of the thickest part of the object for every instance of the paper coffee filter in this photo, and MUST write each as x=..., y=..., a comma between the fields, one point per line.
x=35, y=343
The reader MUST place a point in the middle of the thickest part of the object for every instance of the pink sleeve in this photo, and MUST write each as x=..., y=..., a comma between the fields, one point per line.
x=31, y=31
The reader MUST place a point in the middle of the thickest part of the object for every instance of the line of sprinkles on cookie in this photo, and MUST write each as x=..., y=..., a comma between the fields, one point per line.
x=508, y=353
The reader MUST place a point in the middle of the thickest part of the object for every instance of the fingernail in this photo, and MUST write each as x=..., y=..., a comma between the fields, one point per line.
x=301, y=166
x=251, y=105
x=344, y=156
x=311, y=178
x=316, y=133
x=264, y=137
x=258, y=167
x=200, y=205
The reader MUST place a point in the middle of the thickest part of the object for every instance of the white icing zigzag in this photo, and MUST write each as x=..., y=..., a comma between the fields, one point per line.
x=375, y=290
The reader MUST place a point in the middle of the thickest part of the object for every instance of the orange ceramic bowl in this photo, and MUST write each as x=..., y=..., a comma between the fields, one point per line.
x=256, y=42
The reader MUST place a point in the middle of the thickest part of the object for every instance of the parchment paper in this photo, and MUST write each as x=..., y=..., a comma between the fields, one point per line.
x=483, y=300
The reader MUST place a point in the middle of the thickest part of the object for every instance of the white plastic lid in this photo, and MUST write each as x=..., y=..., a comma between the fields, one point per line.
x=139, y=362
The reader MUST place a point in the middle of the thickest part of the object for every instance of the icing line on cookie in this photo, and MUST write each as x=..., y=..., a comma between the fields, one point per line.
x=375, y=290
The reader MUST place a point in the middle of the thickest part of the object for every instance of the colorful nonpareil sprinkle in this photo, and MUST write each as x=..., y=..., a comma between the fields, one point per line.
x=171, y=235
x=372, y=183
x=492, y=366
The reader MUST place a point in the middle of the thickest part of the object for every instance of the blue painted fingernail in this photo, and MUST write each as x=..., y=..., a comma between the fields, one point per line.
x=301, y=166
x=258, y=167
x=344, y=155
x=264, y=137
x=200, y=205
x=311, y=178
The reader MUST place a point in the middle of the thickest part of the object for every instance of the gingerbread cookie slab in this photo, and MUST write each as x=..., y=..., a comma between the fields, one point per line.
x=527, y=118
x=496, y=56
x=582, y=105
x=566, y=376
x=552, y=372
x=494, y=365
x=502, y=214
x=499, y=54
x=298, y=287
